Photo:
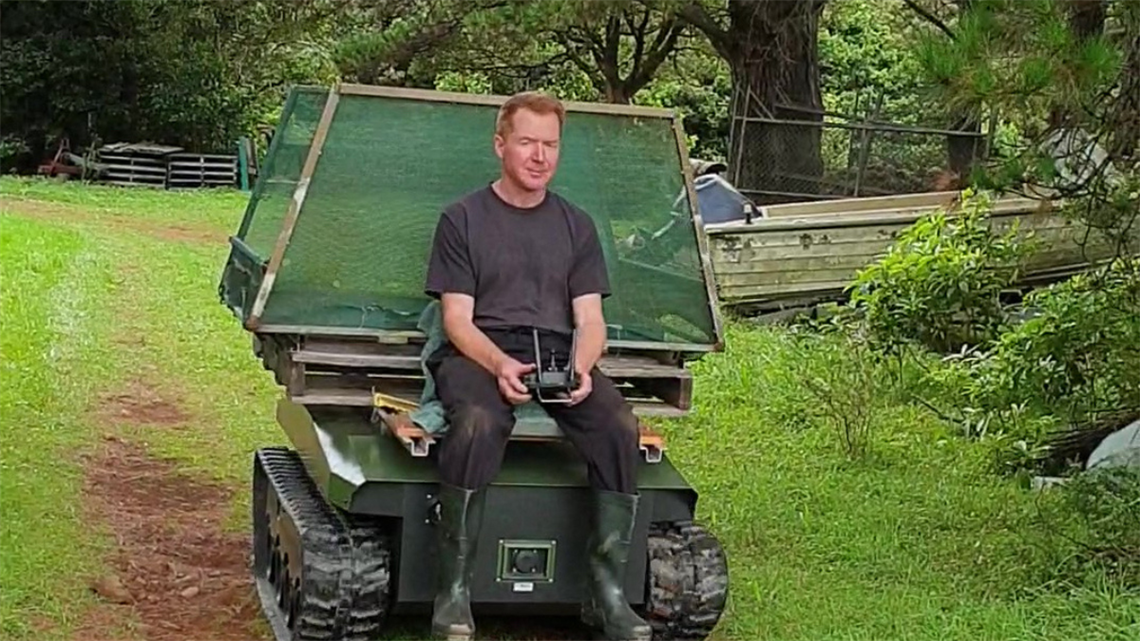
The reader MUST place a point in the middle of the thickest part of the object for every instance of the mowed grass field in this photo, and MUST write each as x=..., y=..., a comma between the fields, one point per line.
x=132, y=403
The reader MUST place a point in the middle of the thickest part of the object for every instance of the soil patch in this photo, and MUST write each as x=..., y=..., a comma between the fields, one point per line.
x=76, y=214
x=174, y=568
x=141, y=404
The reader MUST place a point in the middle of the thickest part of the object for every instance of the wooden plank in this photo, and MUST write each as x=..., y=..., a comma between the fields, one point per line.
x=766, y=248
x=294, y=211
x=928, y=199
x=851, y=262
x=658, y=410
x=353, y=345
x=343, y=398
x=790, y=235
x=786, y=278
x=431, y=95
x=828, y=221
x=707, y=272
x=379, y=361
x=904, y=204
x=677, y=392
x=638, y=367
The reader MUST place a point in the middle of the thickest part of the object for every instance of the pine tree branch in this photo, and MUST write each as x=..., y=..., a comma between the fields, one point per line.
x=930, y=17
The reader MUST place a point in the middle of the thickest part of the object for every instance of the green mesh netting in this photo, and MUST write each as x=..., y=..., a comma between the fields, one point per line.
x=359, y=251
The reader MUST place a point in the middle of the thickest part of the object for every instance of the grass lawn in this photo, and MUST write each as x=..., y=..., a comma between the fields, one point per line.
x=106, y=292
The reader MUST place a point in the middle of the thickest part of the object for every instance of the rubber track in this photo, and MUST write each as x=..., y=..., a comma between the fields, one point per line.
x=345, y=559
x=688, y=581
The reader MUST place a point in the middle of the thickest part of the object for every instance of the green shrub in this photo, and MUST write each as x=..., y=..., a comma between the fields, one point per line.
x=1078, y=355
x=1105, y=536
x=939, y=285
x=847, y=386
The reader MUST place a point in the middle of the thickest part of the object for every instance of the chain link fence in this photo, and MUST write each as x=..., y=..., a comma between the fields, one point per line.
x=804, y=155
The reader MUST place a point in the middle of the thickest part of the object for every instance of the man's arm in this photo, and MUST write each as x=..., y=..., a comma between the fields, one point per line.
x=591, y=326
x=459, y=325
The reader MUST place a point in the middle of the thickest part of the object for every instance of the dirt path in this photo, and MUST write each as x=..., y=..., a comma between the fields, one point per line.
x=174, y=569
x=62, y=212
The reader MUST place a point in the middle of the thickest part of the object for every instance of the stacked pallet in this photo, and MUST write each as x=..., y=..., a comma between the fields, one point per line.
x=190, y=171
x=166, y=167
x=135, y=164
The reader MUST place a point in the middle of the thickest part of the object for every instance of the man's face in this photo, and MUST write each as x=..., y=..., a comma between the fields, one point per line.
x=530, y=151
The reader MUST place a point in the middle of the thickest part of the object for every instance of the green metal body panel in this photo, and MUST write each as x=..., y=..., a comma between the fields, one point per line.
x=539, y=500
x=345, y=452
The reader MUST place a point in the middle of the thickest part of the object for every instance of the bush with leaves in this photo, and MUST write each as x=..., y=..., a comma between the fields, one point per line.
x=1075, y=357
x=940, y=283
x=1079, y=353
x=1106, y=536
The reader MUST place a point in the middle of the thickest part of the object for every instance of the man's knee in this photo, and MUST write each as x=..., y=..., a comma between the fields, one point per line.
x=475, y=421
x=624, y=432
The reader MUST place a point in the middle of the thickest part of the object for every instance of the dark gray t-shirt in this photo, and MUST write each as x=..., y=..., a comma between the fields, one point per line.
x=522, y=266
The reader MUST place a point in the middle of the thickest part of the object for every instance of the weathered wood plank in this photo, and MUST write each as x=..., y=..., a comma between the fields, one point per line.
x=379, y=361
x=930, y=199
x=851, y=241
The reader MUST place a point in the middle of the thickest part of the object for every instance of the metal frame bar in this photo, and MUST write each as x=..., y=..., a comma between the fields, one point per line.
x=494, y=100
x=859, y=126
x=699, y=231
x=295, y=205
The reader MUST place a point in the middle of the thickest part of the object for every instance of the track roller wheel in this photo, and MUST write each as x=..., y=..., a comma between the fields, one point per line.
x=688, y=581
x=320, y=573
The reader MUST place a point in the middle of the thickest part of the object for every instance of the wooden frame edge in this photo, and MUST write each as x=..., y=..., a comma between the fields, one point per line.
x=295, y=205
x=699, y=231
x=495, y=100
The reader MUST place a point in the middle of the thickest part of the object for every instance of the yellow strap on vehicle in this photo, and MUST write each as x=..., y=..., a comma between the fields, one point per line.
x=387, y=401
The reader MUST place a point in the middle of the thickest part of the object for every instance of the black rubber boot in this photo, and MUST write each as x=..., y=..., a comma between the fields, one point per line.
x=606, y=608
x=461, y=514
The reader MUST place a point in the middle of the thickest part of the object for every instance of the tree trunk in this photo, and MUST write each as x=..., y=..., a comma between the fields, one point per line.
x=962, y=151
x=773, y=47
x=1126, y=115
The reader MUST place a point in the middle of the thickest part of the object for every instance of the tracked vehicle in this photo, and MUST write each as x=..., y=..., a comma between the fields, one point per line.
x=326, y=274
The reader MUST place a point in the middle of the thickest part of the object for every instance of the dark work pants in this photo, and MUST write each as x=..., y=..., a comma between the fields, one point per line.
x=602, y=427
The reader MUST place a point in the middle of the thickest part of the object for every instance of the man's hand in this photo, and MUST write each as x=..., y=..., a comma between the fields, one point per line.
x=585, y=386
x=509, y=373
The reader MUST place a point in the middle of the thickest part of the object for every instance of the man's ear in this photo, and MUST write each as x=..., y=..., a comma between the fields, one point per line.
x=499, y=143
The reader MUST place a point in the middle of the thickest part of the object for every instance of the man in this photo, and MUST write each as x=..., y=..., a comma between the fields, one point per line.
x=506, y=259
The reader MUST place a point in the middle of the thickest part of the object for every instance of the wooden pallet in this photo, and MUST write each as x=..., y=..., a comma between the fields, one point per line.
x=189, y=171
x=418, y=442
x=348, y=371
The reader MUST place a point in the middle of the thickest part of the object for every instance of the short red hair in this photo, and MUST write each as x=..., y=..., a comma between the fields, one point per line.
x=535, y=101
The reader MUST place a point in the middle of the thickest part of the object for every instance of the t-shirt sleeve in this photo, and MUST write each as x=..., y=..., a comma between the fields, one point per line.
x=588, y=275
x=449, y=266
